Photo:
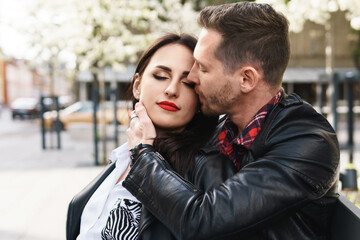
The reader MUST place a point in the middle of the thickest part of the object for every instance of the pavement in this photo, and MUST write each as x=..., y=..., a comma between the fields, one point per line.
x=36, y=185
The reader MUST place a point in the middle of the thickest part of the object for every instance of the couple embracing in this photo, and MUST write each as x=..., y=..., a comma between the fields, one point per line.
x=266, y=169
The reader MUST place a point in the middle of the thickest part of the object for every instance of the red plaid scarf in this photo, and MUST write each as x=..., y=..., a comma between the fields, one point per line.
x=234, y=147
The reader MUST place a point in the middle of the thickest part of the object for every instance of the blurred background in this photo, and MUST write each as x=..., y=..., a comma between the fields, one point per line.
x=65, y=67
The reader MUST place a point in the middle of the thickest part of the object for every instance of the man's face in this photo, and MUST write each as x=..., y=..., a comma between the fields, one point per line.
x=218, y=91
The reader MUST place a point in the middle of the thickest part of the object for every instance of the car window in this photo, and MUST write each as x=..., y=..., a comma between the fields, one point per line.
x=72, y=108
x=85, y=109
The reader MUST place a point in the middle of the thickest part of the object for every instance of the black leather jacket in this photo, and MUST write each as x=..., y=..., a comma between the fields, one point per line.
x=208, y=172
x=286, y=187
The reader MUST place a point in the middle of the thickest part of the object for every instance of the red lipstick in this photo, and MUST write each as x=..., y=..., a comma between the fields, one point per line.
x=168, y=106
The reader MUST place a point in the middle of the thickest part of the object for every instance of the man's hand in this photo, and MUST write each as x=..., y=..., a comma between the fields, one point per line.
x=141, y=129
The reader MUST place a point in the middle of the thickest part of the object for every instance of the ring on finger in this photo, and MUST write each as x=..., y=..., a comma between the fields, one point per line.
x=133, y=115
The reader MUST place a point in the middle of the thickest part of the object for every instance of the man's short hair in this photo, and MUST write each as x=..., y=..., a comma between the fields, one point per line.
x=252, y=33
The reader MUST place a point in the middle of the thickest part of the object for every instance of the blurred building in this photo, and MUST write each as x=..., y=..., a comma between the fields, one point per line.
x=308, y=46
x=20, y=81
x=17, y=79
x=118, y=81
x=308, y=60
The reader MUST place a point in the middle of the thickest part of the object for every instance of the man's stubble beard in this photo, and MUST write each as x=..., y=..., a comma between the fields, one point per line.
x=218, y=102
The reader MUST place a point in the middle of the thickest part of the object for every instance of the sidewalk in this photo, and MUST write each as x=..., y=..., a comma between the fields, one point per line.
x=34, y=202
x=37, y=185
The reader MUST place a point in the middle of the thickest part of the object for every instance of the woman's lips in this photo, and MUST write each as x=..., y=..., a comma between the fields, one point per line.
x=168, y=106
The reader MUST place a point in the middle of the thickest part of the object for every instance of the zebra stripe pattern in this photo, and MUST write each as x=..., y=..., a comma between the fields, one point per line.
x=123, y=221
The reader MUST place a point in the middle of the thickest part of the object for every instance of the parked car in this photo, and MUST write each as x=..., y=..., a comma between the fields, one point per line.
x=83, y=112
x=25, y=107
x=63, y=101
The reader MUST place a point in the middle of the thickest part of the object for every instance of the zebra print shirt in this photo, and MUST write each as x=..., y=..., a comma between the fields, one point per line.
x=123, y=221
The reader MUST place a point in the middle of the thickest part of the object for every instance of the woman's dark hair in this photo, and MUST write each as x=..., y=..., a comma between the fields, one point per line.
x=179, y=149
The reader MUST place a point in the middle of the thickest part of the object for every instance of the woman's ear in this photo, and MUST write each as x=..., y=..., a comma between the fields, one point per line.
x=136, y=86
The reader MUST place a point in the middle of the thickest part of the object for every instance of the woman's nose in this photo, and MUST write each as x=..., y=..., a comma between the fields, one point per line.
x=172, y=89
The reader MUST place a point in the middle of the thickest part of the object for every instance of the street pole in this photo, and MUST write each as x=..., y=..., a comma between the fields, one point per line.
x=329, y=47
x=102, y=113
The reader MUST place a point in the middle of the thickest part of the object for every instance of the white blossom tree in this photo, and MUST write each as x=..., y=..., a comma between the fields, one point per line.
x=102, y=32
x=95, y=34
x=319, y=11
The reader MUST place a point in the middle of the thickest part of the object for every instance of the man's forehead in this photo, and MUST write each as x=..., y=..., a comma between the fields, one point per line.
x=209, y=38
x=207, y=44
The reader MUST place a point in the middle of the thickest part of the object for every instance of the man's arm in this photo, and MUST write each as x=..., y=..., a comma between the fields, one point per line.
x=299, y=168
x=257, y=194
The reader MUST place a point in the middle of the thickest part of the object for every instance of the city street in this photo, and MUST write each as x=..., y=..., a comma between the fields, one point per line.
x=36, y=185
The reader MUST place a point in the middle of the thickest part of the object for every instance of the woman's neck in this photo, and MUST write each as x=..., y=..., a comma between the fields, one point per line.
x=165, y=131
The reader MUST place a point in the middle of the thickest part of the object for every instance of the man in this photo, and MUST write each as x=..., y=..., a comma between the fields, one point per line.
x=286, y=153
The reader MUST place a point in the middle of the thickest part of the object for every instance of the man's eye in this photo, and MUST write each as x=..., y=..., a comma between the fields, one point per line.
x=201, y=68
x=159, y=77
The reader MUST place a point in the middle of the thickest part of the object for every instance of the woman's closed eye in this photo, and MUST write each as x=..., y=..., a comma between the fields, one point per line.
x=189, y=84
x=158, y=77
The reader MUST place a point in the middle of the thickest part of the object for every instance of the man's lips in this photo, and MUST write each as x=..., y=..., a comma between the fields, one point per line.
x=201, y=97
x=169, y=106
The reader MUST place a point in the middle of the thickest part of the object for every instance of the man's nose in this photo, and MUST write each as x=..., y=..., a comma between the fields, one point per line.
x=193, y=74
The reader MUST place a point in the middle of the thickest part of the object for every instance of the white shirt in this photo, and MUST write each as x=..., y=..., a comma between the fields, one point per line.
x=106, y=198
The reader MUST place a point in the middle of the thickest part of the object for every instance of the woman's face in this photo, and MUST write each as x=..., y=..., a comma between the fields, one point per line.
x=169, y=98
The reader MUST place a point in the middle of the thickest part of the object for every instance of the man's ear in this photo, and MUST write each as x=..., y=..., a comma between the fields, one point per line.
x=136, y=86
x=250, y=78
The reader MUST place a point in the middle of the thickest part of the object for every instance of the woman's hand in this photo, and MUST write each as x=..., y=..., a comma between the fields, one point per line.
x=141, y=128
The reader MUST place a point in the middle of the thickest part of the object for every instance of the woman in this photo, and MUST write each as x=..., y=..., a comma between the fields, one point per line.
x=106, y=210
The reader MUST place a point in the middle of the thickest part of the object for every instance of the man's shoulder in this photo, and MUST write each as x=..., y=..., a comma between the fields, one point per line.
x=290, y=100
x=293, y=105
x=295, y=102
x=293, y=116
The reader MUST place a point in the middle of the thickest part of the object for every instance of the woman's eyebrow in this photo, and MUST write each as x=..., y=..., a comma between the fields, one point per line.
x=185, y=73
x=164, y=68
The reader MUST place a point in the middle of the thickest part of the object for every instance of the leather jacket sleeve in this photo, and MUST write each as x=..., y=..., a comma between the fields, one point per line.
x=293, y=162
x=209, y=171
